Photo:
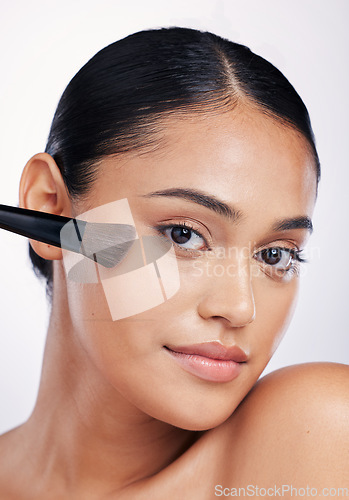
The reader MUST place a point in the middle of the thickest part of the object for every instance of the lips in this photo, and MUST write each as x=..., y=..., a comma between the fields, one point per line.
x=212, y=350
x=210, y=361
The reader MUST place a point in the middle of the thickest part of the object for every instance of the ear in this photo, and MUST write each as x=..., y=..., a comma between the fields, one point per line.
x=42, y=188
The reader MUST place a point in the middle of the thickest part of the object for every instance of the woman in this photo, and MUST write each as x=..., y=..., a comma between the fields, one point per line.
x=202, y=144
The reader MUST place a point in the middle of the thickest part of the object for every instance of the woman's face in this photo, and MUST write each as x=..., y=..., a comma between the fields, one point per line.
x=238, y=270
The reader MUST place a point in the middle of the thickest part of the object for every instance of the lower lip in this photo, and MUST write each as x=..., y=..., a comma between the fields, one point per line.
x=213, y=370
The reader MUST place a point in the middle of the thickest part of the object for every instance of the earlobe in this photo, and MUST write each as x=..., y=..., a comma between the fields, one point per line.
x=42, y=188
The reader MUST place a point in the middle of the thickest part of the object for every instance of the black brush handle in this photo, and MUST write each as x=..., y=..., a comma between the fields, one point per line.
x=40, y=226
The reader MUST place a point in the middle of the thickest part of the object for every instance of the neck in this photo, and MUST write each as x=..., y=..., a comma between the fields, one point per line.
x=83, y=431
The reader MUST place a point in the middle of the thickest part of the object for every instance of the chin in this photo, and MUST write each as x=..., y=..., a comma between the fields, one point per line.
x=201, y=423
x=195, y=419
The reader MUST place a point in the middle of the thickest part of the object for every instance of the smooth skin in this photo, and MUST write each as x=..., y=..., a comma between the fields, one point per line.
x=116, y=416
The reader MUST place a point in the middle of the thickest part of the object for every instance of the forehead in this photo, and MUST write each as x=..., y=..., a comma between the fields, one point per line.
x=241, y=156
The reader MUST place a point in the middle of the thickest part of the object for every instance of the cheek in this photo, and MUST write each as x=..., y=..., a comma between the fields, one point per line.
x=91, y=323
x=87, y=304
x=274, y=310
x=118, y=347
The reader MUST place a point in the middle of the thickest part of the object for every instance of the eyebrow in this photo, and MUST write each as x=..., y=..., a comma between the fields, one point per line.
x=303, y=222
x=221, y=208
x=200, y=198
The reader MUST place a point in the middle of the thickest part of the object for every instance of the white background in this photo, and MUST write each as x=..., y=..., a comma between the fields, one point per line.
x=44, y=43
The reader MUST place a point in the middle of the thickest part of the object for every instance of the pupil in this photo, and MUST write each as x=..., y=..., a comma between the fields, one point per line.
x=272, y=256
x=180, y=235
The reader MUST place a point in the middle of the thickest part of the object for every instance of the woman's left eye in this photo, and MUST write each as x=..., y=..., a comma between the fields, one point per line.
x=281, y=259
x=184, y=237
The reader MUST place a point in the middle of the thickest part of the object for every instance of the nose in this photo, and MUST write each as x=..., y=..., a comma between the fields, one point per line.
x=228, y=294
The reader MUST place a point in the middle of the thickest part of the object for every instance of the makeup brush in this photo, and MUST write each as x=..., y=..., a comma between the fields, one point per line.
x=105, y=243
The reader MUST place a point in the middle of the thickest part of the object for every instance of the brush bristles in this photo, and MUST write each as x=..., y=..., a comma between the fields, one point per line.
x=107, y=244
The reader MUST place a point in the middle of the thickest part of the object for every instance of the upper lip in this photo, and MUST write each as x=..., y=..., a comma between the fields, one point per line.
x=213, y=350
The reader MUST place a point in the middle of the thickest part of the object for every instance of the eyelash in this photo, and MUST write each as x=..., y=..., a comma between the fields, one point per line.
x=297, y=259
x=183, y=225
x=296, y=254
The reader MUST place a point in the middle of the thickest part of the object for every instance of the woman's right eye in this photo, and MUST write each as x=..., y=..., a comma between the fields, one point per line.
x=184, y=237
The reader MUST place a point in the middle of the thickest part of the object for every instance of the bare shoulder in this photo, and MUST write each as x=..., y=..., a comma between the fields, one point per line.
x=293, y=427
x=305, y=385
x=10, y=473
x=310, y=395
x=311, y=391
